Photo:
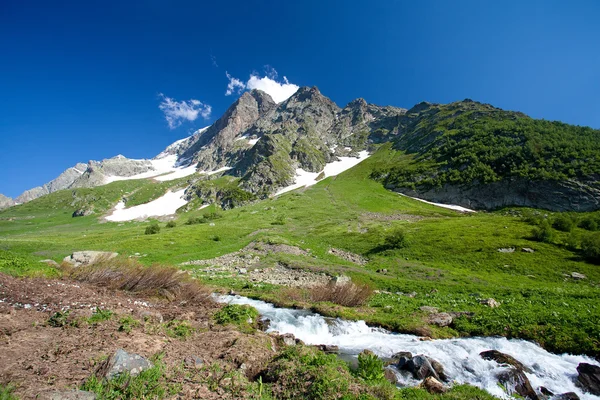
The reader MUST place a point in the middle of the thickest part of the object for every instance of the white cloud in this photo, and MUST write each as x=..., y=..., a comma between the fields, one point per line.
x=279, y=91
x=234, y=85
x=178, y=111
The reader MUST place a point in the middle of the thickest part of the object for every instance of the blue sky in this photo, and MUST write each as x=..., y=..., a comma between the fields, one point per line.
x=84, y=80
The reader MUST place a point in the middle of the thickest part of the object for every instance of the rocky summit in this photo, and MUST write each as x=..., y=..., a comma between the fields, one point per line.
x=466, y=153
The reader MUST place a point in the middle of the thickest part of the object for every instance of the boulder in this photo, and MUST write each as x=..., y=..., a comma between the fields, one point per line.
x=501, y=358
x=589, y=378
x=507, y=250
x=527, y=250
x=420, y=367
x=390, y=376
x=82, y=212
x=121, y=362
x=288, y=339
x=433, y=386
x=332, y=349
x=515, y=382
x=67, y=395
x=440, y=319
x=577, y=276
x=401, y=359
x=263, y=324
x=87, y=257
x=490, y=303
x=428, y=309
x=566, y=396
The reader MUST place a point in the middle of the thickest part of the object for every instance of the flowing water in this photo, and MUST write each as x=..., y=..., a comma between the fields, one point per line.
x=460, y=357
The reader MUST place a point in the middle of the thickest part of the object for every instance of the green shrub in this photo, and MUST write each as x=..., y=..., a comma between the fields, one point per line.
x=127, y=323
x=171, y=224
x=59, y=319
x=589, y=224
x=563, y=223
x=236, y=314
x=590, y=246
x=370, y=367
x=152, y=229
x=543, y=233
x=100, y=315
x=178, y=329
x=194, y=221
x=395, y=239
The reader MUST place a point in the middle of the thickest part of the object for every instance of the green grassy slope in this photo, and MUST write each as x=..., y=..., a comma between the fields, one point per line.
x=451, y=260
x=468, y=142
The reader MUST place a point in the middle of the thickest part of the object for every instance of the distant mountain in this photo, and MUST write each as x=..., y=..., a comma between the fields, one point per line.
x=483, y=157
x=6, y=202
x=465, y=153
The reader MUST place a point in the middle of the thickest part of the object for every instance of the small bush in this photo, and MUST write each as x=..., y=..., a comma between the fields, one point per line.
x=590, y=247
x=346, y=294
x=178, y=329
x=236, y=314
x=395, y=239
x=59, y=319
x=127, y=323
x=563, y=223
x=152, y=229
x=370, y=367
x=589, y=224
x=171, y=224
x=543, y=233
x=100, y=315
x=209, y=216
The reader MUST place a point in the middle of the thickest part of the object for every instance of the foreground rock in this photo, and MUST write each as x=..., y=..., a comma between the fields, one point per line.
x=420, y=366
x=501, y=358
x=515, y=382
x=87, y=257
x=121, y=362
x=433, y=386
x=589, y=378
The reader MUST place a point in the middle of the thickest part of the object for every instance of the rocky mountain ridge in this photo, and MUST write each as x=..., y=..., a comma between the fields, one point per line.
x=264, y=145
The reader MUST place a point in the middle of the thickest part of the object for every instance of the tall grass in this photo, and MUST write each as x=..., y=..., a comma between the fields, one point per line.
x=129, y=275
x=347, y=294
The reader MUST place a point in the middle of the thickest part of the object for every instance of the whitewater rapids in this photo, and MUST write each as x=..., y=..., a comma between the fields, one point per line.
x=460, y=357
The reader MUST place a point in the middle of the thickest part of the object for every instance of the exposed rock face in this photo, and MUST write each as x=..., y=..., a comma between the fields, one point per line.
x=97, y=172
x=63, y=181
x=217, y=147
x=6, y=202
x=568, y=195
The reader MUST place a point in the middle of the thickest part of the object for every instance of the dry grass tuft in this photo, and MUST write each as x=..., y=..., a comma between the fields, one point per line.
x=345, y=294
x=128, y=274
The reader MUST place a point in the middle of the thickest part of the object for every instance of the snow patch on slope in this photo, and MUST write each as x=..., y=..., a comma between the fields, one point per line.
x=165, y=205
x=305, y=178
x=448, y=206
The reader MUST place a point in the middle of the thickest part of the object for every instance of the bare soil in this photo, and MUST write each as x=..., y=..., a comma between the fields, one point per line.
x=37, y=357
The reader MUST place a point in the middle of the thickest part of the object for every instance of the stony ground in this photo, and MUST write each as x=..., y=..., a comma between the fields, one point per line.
x=37, y=357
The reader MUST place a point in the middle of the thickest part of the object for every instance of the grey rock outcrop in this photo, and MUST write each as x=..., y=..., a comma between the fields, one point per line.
x=6, y=202
x=87, y=257
x=501, y=358
x=63, y=181
x=121, y=362
x=97, y=172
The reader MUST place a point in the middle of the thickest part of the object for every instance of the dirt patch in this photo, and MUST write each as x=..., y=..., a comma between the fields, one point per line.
x=37, y=357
